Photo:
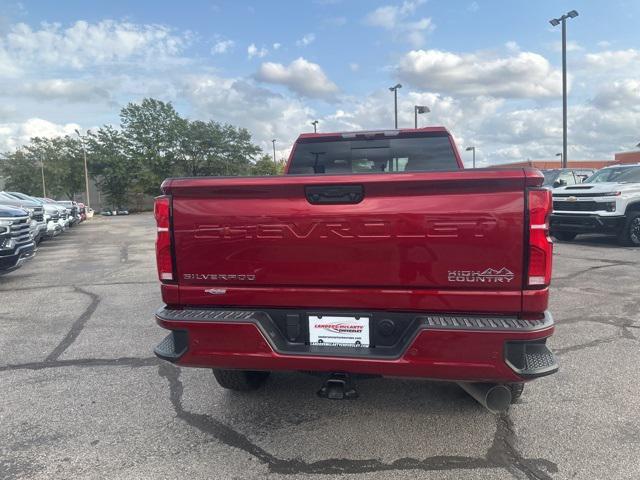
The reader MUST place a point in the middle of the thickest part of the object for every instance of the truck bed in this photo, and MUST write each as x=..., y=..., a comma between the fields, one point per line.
x=431, y=241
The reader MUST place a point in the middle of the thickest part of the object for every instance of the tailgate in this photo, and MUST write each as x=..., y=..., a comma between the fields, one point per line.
x=421, y=231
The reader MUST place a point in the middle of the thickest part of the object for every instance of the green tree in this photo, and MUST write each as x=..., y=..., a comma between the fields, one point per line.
x=265, y=166
x=63, y=167
x=21, y=172
x=152, y=130
x=114, y=169
x=154, y=142
x=210, y=148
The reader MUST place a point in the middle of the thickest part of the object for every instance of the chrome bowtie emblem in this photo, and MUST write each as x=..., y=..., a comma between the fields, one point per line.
x=216, y=291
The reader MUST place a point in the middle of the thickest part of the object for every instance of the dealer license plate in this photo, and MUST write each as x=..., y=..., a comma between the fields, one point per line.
x=338, y=331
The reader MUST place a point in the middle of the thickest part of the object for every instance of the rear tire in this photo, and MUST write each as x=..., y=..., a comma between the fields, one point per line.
x=565, y=236
x=516, y=391
x=629, y=236
x=240, y=380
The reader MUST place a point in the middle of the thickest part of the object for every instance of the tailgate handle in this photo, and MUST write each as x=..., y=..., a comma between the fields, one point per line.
x=334, y=194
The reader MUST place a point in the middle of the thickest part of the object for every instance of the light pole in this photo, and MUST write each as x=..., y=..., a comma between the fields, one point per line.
x=274, y=154
x=315, y=125
x=472, y=149
x=562, y=165
x=44, y=188
x=394, y=89
x=86, y=172
x=555, y=22
x=419, y=109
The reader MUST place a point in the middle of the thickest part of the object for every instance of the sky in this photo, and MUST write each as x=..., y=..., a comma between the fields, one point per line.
x=489, y=71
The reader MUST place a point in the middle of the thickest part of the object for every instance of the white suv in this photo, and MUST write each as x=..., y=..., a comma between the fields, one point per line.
x=607, y=202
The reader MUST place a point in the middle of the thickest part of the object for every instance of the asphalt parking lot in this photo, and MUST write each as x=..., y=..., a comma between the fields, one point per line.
x=82, y=396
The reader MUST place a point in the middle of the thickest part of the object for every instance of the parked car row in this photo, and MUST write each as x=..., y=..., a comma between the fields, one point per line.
x=25, y=221
x=606, y=202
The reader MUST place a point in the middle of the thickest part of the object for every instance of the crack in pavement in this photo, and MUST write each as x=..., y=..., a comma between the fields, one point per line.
x=133, y=362
x=593, y=343
x=63, y=285
x=77, y=326
x=591, y=259
x=502, y=453
x=623, y=324
x=589, y=270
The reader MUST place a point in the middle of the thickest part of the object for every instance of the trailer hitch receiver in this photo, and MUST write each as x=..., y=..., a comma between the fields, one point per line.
x=338, y=386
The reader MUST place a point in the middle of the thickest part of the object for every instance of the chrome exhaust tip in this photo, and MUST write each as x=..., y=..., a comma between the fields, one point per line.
x=495, y=397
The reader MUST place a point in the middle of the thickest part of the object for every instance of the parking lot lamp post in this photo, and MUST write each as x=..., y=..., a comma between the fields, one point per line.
x=274, y=154
x=86, y=172
x=561, y=157
x=44, y=188
x=315, y=126
x=472, y=149
x=416, y=110
x=555, y=22
x=394, y=89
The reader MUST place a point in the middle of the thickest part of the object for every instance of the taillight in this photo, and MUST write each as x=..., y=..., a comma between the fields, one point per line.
x=162, y=211
x=540, y=245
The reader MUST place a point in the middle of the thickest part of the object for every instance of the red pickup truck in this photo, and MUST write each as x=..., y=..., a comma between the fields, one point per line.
x=376, y=253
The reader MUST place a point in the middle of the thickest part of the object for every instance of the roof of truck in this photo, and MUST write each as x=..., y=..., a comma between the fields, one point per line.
x=386, y=132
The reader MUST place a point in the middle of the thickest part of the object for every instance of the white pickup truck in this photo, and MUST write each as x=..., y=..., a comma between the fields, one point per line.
x=607, y=202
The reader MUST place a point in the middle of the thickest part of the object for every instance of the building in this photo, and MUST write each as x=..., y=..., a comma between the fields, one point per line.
x=621, y=158
x=627, y=157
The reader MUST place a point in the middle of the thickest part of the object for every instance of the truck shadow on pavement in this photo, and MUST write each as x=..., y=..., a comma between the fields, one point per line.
x=502, y=453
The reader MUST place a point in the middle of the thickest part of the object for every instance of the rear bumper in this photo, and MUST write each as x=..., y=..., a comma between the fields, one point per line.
x=443, y=347
x=567, y=222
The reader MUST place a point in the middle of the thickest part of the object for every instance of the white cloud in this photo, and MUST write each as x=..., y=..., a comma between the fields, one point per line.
x=6, y=112
x=253, y=51
x=614, y=59
x=501, y=131
x=354, y=67
x=276, y=46
x=13, y=135
x=300, y=76
x=473, y=7
x=389, y=16
x=619, y=94
x=306, y=40
x=512, y=46
x=571, y=46
x=222, y=46
x=86, y=44
x=376, y=111
x=61, y=89
x=395, y=19
x=8, y=66
x=524, y=75
x=264, y=113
